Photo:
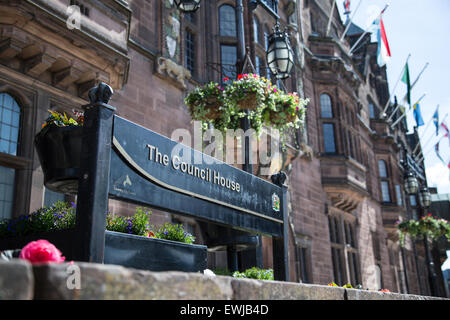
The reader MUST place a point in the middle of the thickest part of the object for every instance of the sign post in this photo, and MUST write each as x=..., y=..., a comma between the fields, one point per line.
x=92, y=201
x=125, y=161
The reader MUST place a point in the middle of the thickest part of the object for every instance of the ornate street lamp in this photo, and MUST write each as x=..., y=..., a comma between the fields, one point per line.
x=187, y=6
x=280, y=56
x=424, y=197
x=411, y=183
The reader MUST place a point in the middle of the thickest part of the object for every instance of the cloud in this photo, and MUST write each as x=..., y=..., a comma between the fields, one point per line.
x=439, y=176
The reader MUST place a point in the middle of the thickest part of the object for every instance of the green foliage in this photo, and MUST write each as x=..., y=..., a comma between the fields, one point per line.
x=198, y=100
x=59, y=216
x=174, y=232
x=223, y=272
x=62, y=215
x=138, y=224
x=61, y=120
x=255, y=273
x=273, y=106
x=429, y=226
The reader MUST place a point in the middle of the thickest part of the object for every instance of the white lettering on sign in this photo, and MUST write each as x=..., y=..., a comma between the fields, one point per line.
x=178, y=164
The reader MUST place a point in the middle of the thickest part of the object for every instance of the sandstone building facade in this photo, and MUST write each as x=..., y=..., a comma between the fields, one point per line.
x=345, y=169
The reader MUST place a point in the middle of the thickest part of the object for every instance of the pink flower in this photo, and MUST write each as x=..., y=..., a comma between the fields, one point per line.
x=41, y=251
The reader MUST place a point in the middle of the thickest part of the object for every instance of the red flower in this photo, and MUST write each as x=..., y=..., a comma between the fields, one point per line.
x=41, y=251
x=226, y=79
x=240, y=76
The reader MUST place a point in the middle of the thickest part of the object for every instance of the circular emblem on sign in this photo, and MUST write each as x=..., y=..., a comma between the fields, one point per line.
x=275, y=202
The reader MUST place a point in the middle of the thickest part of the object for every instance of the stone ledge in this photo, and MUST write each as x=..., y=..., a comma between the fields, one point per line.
x=21, y=280
x=249, y=289
x=111, y=282
x=16, y=280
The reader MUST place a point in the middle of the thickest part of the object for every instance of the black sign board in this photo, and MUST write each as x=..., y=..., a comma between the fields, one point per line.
x=125, y=161
x=150, y=168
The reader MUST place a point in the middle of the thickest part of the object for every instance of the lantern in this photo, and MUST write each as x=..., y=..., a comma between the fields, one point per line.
x=411, y=183
x=187, y=6
x=280, y=56
x=424, y=197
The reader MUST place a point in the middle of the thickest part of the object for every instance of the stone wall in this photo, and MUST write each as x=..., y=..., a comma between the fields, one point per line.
x=19, y=280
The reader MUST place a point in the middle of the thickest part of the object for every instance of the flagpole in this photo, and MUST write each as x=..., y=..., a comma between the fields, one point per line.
x=398, y=106
x=431, y=149
x=427, y=126
x=330, y=18
x=415, y=149
x=398, y=120
x=415, y=81
x=383, y=114
x=350, y=22
x=365, y=32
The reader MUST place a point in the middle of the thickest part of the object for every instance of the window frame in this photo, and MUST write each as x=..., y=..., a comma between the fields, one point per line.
x=325, y=138
x=20, y=161
x=220, y=12
x=344, y=249
x=190, y=51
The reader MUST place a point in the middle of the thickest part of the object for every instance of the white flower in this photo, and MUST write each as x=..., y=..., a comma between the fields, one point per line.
x=209, y=273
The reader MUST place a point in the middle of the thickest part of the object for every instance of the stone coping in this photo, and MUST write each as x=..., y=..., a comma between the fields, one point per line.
x=19, y=280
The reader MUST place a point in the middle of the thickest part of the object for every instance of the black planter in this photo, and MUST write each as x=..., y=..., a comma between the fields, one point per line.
x=153, y=254
x=59, y=150
x=126, y=250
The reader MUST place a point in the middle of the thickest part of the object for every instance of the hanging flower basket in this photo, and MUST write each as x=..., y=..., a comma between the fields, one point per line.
x=223, y=108
x=205, y=102
x=280, y=117
x=287, y=111
x=248, y=92
x=58, y=145
x=248, y=102
x=429, y=226
x=212, y=107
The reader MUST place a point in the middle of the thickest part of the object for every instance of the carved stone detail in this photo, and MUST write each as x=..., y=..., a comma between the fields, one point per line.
x=344, y=200
x=168, y=68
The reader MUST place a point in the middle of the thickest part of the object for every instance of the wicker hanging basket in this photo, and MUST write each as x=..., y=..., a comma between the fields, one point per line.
x=213, y=105
x=249, y=102
x=276, y=117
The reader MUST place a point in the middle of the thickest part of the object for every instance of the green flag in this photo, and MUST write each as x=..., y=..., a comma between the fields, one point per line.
x=405, y=79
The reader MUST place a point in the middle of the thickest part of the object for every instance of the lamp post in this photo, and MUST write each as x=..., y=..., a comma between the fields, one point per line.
x=425, y=202
x=187, y=6
x=280, y=59
x=411, y=186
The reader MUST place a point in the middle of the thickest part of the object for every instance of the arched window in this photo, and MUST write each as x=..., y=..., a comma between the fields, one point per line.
x=227, y=21
x=9, y=124
x=256, y=29
x=9, y=141
x=382, y=168
x=325, y=106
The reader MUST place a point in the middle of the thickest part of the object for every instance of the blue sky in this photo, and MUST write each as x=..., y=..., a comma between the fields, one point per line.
x=419, y=28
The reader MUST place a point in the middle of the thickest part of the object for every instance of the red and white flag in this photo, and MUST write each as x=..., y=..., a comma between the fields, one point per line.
x=383, y=53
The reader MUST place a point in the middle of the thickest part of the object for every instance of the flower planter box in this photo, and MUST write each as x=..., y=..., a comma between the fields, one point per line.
x=153, y=254
x=59, y=150
x=127, y=250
